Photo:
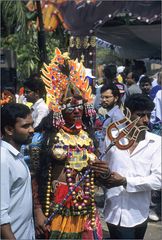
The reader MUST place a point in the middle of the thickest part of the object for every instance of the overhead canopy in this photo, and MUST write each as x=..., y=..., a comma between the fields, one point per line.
x=138, y=36
x=135, y=41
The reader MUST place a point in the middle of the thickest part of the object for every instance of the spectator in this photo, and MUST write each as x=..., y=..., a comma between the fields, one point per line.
x=16, y=195
x=156, y=115
x=134, y=173
x=20, y=98
x=140, y=68
x=120, y=74
x=34, y=92
x=145, y=85
x=131, y=81
x=110, y=102
x=109, y=72
x=158, y=87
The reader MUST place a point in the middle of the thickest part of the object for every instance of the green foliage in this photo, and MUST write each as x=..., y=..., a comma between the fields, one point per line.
x=24, y=40
x=14, y=15
x=26, y=51
x=58, y=38
x=107, y=56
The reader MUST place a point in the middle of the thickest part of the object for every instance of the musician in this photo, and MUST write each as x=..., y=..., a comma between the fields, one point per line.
x=136, y=171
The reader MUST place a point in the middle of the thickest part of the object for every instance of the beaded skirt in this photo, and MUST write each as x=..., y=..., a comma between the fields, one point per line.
x=69, y=222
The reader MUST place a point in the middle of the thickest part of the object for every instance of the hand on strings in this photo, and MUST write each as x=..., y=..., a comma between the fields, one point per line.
x=99, y=167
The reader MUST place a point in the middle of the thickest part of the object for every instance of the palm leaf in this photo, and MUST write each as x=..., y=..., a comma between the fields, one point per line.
x=14, y=14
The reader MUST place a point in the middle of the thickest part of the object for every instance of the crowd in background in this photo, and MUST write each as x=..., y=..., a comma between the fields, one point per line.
x=110, y=93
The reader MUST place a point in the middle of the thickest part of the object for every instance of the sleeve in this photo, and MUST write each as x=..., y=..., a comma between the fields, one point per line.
x=150, y=182
x=5, y=188
x=42, y=112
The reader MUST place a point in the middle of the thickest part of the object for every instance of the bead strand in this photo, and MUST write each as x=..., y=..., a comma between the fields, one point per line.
x=48, y=193
x=93, y=207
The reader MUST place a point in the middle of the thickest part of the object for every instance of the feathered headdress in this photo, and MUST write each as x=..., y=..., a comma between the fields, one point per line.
x=65, y=78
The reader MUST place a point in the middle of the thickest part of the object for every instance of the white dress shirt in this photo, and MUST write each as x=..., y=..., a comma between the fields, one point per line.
x=142, y=169
x=40, y=110
x=16, y=193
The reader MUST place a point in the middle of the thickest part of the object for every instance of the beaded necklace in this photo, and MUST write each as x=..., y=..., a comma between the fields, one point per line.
x=78, y=149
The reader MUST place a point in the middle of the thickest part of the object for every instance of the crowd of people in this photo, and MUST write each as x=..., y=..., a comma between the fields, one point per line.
x=72, y=137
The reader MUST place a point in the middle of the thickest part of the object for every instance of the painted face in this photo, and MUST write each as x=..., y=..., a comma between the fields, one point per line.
x=144, y=117
x=145, y=87
x=30, y=95
x=108, y=100
x=23, y=130
x=73, y=112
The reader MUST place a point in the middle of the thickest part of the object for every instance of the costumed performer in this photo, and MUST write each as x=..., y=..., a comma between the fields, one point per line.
x=63, y=182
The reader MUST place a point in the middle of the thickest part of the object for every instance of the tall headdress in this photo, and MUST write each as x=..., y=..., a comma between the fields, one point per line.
x=65, y=78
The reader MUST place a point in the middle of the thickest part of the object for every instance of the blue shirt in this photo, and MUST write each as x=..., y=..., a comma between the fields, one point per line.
x=113, y=115
x=154, y=90
x=16, y=193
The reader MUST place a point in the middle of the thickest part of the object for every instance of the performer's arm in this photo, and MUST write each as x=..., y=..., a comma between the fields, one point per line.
x=39, y=216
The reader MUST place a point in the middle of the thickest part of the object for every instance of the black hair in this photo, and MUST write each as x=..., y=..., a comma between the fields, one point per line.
x=139, y=102
x=35, y=84
x=10, y=112
x=112, y=87
x=139, y=66
x=145, y=79
x=135, y=76
x=110, y=71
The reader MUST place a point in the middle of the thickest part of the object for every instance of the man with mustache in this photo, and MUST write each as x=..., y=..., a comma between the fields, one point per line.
x=16, y=194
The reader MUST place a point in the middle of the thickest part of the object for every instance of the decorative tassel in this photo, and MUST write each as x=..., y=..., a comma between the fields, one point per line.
x=58, y=120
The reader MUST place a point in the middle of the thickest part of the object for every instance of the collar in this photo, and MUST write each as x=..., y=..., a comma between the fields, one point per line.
x=37, y=103
x=10, y=148
x=150, y=137
x=112, y=110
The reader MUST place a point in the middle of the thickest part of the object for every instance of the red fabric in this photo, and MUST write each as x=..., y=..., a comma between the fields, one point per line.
x=61, y=192
x=98, y=124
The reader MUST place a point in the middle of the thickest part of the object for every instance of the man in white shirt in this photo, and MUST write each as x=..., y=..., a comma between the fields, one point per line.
x=16, y=215
x=34, y=92
x=134, y=173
